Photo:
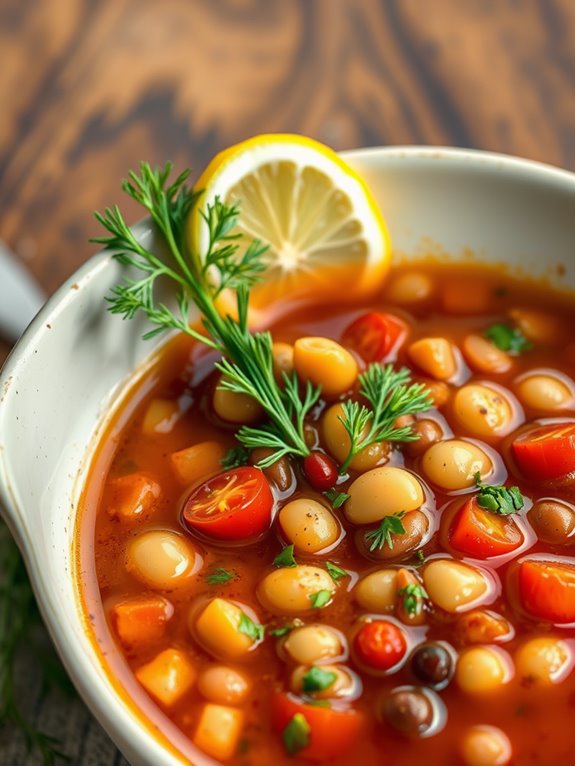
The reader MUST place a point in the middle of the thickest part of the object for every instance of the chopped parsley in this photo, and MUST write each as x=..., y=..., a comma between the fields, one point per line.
x=296, y=734
x=420, y=556
x=319, y=599
x=498, y=499
x=389, y=525
x=412, y=596
x=219, y=576
x=336, y=573
x=337, y=499
x=317, y=680
x=235, y=457
x=285, y=558
x=250, y=628
x=279, y=632
x=508, y=338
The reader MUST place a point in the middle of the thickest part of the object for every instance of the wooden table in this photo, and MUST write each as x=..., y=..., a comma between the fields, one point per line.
x=90, y=87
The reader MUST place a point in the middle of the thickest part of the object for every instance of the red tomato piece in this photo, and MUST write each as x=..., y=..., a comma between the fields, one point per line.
x=547, y=589
x=547, y=452
x=234, y=505
x=373, y=335
x=332, y=732
x=320, y=471
x=477, y=532
x=380, y=644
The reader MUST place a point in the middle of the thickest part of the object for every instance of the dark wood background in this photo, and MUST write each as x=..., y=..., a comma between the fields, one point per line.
x=88, y=88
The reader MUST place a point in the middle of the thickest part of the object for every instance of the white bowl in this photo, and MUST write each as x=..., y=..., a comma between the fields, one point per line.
x=74, y=359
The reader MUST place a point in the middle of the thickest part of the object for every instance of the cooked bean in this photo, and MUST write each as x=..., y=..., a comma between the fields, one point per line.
x=309, y=525
x=376, y=591
x=234, y=407
x=337, y=442
x=544, y=392
x=409, y=287
x=382, y=492
x=410, y=598
x=282, y=358
x=439, y=391
x=289, y=591
x=416, y=526
x=408, y=711
x=482, y=410
x=312, y=644
x=224, y=685
x=279, y=473
x=434, y=356
x=484, y=356
x=453, y=586
x=343, y=684
x=162, y=559
x=325, y=363
x=543, y=660
x=485, y=746
x=428, y=432
x=452, y=464
x=538, y=326
x=553, y=522
x=432, y=664
x=482, y=670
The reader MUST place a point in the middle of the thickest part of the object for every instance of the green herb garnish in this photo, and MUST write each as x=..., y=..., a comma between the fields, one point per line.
x=296, y=734
x=235, y=457
x=391, y=396
x=412, y=596
x=317, y=680
x=337, y=499
x=219, y=576
x=498, y=499
x=508, y=338
x=382, y=535
x=279, y=632
x=250, y=628
x=285, y=558
x=320, y=598
x=336, y=573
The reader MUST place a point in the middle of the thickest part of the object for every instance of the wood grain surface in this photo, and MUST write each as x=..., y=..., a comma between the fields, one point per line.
x=88, y=88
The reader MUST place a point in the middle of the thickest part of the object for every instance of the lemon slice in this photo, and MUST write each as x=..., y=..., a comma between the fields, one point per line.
x=327, y=239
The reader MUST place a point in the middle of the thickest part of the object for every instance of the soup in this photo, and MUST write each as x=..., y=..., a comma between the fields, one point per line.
x=418, y=605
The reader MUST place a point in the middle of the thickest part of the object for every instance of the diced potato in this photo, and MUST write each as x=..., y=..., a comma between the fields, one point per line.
x=197, y=462
x=167, y=677
x=133, y=496
x=219, y=730
x=142, y=620
x=161, y=416
x=434, y=356
x=217, y=629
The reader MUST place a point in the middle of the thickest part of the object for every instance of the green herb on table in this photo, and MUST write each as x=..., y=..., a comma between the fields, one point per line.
x=412, y=596
x=508, y=338
x=337, y=499
x=250, y=628
x=317, y=679
x=498, y=499
x=234, y=458
x=390, y=525
x=285, y=558
x=296, y=734
x=336, y=573
x=320, y=598
x=219, y=576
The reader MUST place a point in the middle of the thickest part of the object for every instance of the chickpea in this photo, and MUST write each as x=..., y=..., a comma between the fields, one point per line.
x=538, y=326
x=337, y=442
x=376, y=591
x=313, y=644
x=162, y=559
x=482, y=410
x=483, y=356
x=428, y=432
x=434, y=356
x=382, y=492
x=544, y=392
x=544, y=660
x=279, y=473
x=235, y=408
x=282, y=360
x=309, y=525
x=416, y=527
x=325, y=363
x=452, y=464
x=553, y=521
x=224, y=685
x=482, y=670
x=410, y=287
x=485, y=746
x=343, y=685
x=454, y=586
x=289, y=591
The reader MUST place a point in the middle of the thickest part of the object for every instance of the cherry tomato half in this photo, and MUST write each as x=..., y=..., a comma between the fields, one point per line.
x=547, y=452
x=234, y=505
x=480, y=533
x=380, y=644
x=547, y=590
x=373, y=335
x=332, y=732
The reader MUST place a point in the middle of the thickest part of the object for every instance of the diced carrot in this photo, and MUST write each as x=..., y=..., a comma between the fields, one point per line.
x=133, y=496
x=465, y=296
x=167, y=677
x=219, y=730
x=161, y=416
x=217, y=628
x=141, y=620
x=200, y=461
x=434, y=356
